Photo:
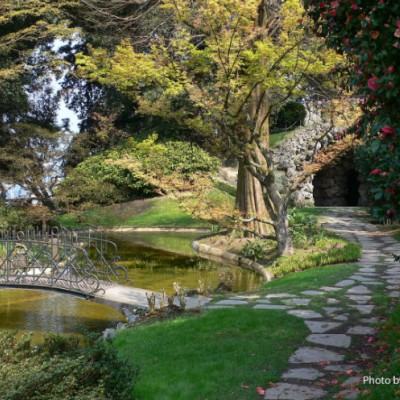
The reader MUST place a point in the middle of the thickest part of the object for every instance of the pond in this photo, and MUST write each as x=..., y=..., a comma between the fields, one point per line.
x=154, y=262
x=41, y=312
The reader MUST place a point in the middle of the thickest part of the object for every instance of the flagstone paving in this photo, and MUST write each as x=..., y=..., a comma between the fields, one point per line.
x=334, y=330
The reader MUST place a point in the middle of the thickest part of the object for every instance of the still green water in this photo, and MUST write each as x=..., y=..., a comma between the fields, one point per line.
x=154, y=262
x=41, y=312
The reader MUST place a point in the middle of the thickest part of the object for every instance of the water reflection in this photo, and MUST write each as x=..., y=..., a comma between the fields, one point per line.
x=156, y=260
x=42, y=312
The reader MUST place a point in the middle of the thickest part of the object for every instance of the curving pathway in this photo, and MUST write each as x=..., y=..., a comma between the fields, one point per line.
x=328, y=366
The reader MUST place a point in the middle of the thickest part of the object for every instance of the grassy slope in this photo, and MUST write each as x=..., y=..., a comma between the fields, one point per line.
x=222, y=354
x=158, y=212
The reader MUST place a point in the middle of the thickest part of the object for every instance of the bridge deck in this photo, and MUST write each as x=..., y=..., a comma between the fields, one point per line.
x=136, y=297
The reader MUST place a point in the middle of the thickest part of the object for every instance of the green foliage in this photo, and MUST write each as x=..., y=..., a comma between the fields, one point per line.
x=133, y=170
x=291, y=115
x=304, y=228
x=368, y=32
x=13, y=217
x=60, y=369
x=254, y=249
x=340, y=252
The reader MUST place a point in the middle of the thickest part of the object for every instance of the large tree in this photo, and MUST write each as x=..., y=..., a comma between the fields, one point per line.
x=219, y=74
x=29, y=139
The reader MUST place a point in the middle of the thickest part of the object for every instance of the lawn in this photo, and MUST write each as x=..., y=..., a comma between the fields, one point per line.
x=158, y=212
x=221, y=354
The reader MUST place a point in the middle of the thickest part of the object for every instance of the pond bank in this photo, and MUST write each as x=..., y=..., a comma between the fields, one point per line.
x=205, y=250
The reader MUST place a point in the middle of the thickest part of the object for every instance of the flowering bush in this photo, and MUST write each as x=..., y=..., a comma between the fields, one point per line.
x=368, y=32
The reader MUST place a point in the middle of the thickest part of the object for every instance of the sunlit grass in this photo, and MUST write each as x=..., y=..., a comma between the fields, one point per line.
x=222, y=354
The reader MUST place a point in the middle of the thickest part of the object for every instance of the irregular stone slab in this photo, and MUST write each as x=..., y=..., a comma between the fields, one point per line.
x=333, y=339
x=359, y=290
x=359, y=297
x=297, y=302
x=373, y=283
x=305, y=314
x=361, y=278
x=392, y=287
x=342, y=368
x=321, y=327
x=341, y=318
x=329, y=289
x=263, y=301
x=393, y=281
x=271, y=307
x=394, y=294
x=363, y=308
x=279, y=295
x=353, y=380
x=346, y=282
x=332, y=301
x=332, y=310
x=231, y=303
x=248, y=296
x=346, y=394
x=314, y=354
x=309, y=374
x=289, y=391
x=312, y=292
x=361, y=330
x=373, y=320
x=216, y=307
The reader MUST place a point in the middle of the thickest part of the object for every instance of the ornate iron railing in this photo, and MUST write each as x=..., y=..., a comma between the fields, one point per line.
x=80, y=261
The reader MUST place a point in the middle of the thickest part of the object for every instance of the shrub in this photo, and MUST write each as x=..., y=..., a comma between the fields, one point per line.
x=60, y=369
x=304, y=228
x=254, y=249
x=132, y=170
x=291, y=115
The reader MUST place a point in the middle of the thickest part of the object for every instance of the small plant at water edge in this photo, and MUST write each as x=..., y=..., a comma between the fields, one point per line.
x=254, y=249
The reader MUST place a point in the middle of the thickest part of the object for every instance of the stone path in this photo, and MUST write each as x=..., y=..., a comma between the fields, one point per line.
x=337, y=329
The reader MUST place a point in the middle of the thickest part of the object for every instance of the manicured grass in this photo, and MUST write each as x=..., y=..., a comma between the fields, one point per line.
x=221, y=354
x=159, y=212
x=334, y=252
x=311, y=279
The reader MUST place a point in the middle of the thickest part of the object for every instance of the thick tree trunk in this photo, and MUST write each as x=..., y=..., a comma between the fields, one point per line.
x=285, y=244
x=250, y=201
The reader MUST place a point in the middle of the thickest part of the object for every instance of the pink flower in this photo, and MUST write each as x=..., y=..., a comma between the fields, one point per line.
x=261, y=391
x=376, y=171
x=335, y=4
x=322, y=5
x=387, y=130
x=373, y=83
x=398, y=23
x=354, y=6
x=390, y=69
x=332, y=13
x=371, y=339
x=384, y=174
